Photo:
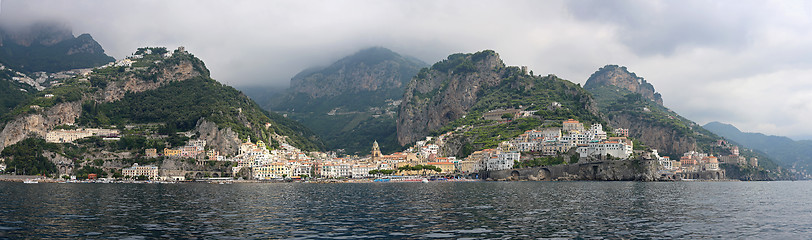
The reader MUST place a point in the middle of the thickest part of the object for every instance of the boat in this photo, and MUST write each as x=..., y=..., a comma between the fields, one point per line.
x=30, y=181
x=425, y=180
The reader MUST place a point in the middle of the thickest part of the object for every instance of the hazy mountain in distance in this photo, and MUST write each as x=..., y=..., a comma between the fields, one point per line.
x=785, y=151
x=353, y=101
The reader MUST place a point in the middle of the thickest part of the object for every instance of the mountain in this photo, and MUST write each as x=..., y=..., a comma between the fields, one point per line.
x=628, y=101
x=152, y=98
x=787, y=152
x=352, y=102
x=614, y=75
x=622, y=104
x=49, y=47
x=453, y=94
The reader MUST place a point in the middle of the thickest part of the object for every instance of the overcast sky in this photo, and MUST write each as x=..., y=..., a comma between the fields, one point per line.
x=748, y=63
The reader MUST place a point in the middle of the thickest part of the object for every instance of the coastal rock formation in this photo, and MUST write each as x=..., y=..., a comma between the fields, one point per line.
x=620, y=170
x=445, y=92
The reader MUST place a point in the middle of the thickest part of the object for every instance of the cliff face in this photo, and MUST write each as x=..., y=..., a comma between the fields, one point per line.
x=613, y=75
x=38, y=124
x=221, y=139
x=445, y=92
x=185, y=69
x=657, y=136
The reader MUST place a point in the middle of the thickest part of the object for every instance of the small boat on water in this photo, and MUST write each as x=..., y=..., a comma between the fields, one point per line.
x=30, y=181
x=425, y=180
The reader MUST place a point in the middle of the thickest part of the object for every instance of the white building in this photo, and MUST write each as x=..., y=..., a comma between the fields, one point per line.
x=362, y=171
x=134, y=171
x=335, y=170
x=596, y=132
x=299, y=169
x=616, y=149
x=501, y=161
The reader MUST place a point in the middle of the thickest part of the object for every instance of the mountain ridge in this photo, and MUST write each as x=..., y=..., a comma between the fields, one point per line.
x=49, y=47
x=351, y=102
x=168, y=87
x=788, y=152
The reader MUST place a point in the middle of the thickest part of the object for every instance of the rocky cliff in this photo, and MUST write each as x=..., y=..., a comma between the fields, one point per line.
x=445, y=92
x=185, y=68
x=221, y=139
x=620, y=170
x=38, y=124
x=664, y=138
x=618, y=76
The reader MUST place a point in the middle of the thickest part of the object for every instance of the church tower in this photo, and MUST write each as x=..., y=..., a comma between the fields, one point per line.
x=376, y=151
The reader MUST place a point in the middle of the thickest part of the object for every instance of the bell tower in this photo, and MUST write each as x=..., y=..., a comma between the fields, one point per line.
x=376, y=151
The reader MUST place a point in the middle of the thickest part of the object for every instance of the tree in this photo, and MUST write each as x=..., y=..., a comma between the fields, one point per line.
x=507, y=116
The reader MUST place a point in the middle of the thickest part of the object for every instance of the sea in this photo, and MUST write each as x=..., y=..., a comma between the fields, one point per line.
x=434, y=210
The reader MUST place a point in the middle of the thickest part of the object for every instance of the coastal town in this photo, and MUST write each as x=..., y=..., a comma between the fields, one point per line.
x=257, y=161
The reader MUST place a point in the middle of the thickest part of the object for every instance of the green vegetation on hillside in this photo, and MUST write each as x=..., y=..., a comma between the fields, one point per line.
x=25, y=157
x=527, y=92
x=614, y=102
x=11, y=93
x=349, y=103
x=181, y=104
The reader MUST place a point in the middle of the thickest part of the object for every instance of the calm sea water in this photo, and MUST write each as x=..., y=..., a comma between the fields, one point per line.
x=470, y=210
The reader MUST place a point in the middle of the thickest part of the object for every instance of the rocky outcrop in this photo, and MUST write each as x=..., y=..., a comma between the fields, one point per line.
x=115, y=90
x=38, y=124
x=85, y=44
x=620, y=170
x=613, y=75
x=655, y=135
x=224, y=140
x=445, y=92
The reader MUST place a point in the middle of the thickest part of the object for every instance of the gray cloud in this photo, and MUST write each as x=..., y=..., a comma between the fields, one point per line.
x=663, y=27
x=742, y=62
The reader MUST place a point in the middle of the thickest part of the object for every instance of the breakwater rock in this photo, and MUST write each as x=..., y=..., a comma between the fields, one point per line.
x=619, y=170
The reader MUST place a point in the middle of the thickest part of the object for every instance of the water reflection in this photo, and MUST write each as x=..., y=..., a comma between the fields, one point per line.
x=408, y=210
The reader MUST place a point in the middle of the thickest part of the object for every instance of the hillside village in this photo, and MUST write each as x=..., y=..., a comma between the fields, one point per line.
x=258, y=161
x=565, y=142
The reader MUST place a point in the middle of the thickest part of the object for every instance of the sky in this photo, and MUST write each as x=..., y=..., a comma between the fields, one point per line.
x=748, y=63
